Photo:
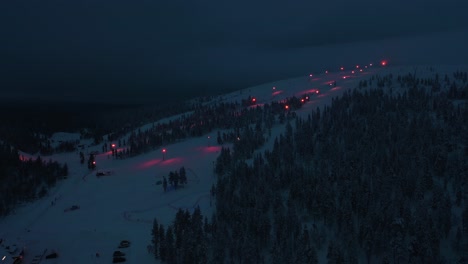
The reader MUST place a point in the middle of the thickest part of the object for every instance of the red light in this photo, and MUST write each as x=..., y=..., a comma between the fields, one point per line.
x=274, y=88
x=384, y=63
x=370, y=64
x=317, y=91
x=286, y=107
x=352, y=71
x=360, y=70
x=344, y=77
x=113, y=145
x=357, y=66
x=307, y=97
x=326, y=71
x=254, y=100
x=341, y=68
x=164, y=150
x=94, y=163
x=302, y=100
x=310, y=75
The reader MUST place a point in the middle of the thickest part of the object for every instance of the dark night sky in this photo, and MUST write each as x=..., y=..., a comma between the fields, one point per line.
x=142, y=50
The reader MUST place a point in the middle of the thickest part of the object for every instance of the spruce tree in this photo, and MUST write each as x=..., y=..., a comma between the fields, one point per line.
x=170, y=247
x=162, y=243
x=183, y=176
x=155, y=239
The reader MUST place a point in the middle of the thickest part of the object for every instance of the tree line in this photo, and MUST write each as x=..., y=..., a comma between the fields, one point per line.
x=25, y=180
x=377, y=176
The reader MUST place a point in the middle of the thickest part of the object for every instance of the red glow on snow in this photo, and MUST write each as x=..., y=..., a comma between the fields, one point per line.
x=154, y=162
x=210, y=149
x=26, y=157
x=172, y=161
x=256, y=105
x=383, y=63
x=276, y=93
x=309, y=91
x=335, y=88
x=148, y=164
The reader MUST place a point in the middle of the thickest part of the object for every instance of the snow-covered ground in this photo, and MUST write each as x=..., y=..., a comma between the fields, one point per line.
x=122, y=206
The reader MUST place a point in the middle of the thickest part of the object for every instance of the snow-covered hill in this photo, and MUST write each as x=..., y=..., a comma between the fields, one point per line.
x=122, y=206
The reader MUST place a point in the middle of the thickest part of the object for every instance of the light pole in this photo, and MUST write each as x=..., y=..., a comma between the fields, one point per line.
x=164, y=154
x=113, y=150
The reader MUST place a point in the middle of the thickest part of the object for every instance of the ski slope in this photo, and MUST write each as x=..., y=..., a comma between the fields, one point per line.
x=122, y=206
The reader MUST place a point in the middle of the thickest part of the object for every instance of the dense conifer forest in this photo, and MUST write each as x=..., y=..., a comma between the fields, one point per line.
x=28, y=125
x=378, y=176
x=25, y=180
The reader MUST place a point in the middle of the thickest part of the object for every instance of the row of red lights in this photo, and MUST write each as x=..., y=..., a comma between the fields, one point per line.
x=274, y=88
x=382, y=63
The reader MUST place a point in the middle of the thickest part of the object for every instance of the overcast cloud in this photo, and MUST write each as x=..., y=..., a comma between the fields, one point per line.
x=142, y=50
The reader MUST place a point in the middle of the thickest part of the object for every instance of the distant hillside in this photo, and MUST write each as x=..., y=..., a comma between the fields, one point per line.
x=24, y=124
